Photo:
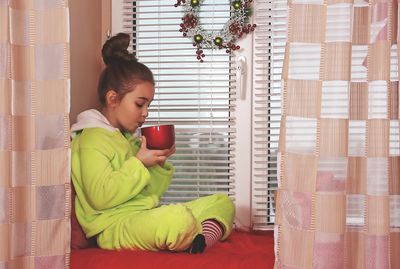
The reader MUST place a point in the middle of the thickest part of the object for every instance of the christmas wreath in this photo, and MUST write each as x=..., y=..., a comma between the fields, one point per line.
x=236, y=27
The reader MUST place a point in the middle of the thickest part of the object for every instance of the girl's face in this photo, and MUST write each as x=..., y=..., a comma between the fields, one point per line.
x=131, y=112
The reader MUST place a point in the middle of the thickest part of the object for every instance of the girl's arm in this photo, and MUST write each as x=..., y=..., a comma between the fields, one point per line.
x=105, y=187
x=160, y=178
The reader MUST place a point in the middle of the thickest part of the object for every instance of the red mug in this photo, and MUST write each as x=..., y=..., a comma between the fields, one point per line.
x=159, y=137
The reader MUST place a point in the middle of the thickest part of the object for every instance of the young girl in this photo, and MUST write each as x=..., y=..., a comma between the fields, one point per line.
x=119, y=182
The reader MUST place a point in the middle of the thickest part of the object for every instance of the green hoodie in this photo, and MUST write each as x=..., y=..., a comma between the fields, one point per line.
x=110, y=182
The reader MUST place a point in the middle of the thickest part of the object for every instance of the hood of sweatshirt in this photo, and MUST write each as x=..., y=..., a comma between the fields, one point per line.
x=91, y=118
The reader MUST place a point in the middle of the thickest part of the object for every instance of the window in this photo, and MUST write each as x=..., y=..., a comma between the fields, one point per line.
x=268, y=54
x=226, y=139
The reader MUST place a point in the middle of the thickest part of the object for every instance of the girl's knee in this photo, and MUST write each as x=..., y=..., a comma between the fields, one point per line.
x=182, y=227
x=180, y=215
x=221, y=197
x=225, y=200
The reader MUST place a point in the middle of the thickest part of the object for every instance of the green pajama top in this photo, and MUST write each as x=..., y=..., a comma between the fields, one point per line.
x=110, y=181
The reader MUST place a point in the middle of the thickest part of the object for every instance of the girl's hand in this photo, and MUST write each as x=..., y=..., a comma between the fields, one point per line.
x=152, y=157
x=171, y=151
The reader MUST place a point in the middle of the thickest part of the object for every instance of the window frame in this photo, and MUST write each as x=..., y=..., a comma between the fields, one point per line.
x=244, y=115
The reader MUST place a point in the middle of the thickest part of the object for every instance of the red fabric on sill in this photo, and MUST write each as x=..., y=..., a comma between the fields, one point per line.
x=241, y=251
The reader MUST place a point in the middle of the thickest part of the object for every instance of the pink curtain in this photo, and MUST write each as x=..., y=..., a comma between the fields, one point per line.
x=339, y=187
x=34, y=134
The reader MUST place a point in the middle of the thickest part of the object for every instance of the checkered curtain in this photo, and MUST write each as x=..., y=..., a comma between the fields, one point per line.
x=339, y=188
x=34, y=134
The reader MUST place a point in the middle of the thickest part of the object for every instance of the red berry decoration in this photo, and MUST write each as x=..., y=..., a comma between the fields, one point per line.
x=190, y=20
x=235, y=28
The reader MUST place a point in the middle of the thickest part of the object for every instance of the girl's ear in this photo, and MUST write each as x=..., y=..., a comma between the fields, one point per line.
x=112, y=98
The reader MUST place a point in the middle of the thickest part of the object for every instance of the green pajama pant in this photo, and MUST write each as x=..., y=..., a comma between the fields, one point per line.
x=169, y=227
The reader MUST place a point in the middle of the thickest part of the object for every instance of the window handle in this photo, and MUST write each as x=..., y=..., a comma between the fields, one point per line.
x=240, y=76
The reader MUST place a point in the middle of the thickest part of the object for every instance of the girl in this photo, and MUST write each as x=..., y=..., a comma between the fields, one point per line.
x=119, y=182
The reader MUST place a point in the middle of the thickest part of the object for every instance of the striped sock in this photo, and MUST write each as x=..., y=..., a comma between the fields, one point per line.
x=212, y=231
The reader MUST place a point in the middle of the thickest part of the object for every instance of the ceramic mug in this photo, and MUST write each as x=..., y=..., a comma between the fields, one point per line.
x=160, y=136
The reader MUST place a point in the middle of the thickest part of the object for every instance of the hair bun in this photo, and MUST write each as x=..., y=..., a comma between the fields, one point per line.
x=116, y=49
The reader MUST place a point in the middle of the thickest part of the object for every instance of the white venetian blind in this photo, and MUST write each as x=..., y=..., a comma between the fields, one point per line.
x=197, y=98
x=269, y=47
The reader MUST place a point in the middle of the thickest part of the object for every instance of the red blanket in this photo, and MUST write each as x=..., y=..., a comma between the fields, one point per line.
x=241, y=251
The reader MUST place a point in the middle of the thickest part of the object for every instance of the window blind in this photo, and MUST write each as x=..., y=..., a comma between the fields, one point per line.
x=268, y=54
x=198, y=98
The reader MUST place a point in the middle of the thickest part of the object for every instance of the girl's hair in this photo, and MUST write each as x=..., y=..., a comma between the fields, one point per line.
x=123, y=72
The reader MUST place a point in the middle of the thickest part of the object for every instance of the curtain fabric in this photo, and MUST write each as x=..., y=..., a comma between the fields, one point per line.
x=34, y=134
x=338, y=202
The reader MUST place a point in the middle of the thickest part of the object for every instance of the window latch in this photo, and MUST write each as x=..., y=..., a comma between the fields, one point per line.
x=240, y=76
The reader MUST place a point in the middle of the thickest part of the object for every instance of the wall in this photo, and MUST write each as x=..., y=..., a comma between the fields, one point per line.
x=88, y=32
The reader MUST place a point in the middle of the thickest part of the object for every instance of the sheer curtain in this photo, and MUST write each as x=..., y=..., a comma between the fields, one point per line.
x=34, y=134
x=339, y=191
